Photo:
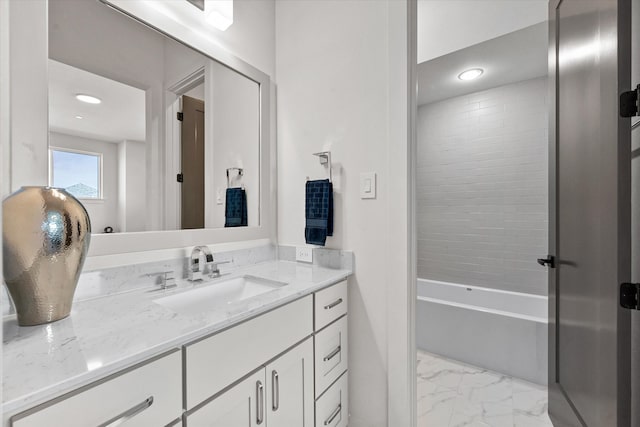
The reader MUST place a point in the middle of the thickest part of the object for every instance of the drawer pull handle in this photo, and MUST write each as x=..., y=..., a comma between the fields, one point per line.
x=333, y=415
x=332, y=354
x=259, y=402
x=333, y=304
x=275, y=390
x=128, y=414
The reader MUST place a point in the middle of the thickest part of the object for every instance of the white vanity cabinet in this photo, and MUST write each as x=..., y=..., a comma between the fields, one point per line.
x=148, y=395
x=216, y=362
x=331, y=356
x=289, y=390
x=279, y=394
x=239, y=406
x=286, y=367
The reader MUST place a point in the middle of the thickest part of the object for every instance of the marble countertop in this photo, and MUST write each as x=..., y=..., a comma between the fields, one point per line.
x=107, y=334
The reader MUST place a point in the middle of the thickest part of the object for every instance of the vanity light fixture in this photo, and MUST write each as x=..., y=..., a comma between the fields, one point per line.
x=471, y=74
x=88, y=98
x=219, y=13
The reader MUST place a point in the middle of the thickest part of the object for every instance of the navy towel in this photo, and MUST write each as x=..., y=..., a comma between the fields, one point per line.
x=235, y=211
x=318, y=211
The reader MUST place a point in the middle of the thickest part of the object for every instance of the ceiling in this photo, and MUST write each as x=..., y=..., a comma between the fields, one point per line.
x=120, y=116
x=517, y=56
x=445, y=26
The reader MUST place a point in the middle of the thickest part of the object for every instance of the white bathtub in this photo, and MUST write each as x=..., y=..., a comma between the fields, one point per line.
x=498, y=330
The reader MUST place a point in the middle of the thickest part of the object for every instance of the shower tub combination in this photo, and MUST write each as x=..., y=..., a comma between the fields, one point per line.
x=498, y=330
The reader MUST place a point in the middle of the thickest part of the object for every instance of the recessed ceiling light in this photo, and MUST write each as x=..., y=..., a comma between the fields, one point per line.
x=88, y=98
x=79, y=117
x=471, y=74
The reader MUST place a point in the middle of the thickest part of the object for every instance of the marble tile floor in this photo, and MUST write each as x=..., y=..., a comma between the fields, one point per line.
x=454, y=394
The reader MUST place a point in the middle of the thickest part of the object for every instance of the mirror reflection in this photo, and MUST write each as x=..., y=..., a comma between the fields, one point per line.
x=159, y=138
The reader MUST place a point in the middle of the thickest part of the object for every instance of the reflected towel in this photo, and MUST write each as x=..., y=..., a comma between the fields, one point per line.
x=318, y=211
x=235, y=210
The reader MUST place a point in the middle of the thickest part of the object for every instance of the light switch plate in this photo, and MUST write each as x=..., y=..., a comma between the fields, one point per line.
x=219, y=197
x=368, y=185
x=304, y=254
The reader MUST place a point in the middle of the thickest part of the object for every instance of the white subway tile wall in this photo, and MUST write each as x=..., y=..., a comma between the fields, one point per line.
x=482, y=188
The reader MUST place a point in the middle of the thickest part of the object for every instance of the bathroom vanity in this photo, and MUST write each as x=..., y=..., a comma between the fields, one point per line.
x=274, y=358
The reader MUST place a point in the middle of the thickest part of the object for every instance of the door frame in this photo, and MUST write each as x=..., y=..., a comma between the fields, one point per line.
x=565, y=415
x=173, y=154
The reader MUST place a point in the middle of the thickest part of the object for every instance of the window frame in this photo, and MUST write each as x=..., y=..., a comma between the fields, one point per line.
x=100, y=156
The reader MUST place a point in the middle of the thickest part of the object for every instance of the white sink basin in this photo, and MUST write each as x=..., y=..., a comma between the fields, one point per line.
x=217, y=294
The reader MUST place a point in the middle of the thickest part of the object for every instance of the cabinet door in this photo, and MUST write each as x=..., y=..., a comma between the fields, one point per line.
x=243, y=405
x=290, y=388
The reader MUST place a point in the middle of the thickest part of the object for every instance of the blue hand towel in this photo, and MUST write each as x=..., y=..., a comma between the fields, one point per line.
x=236, y=208
x=318, y=211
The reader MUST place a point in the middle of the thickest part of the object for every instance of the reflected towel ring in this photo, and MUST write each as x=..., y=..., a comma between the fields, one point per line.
x=240, y=174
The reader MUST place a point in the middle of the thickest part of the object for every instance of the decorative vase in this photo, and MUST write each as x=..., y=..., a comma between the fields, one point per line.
x=46, y=235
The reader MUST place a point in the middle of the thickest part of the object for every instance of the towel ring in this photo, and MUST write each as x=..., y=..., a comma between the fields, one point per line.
x=325, y=160
x=240, y=174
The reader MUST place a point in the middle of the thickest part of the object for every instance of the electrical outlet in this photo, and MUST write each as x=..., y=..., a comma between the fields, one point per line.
x=304, y=254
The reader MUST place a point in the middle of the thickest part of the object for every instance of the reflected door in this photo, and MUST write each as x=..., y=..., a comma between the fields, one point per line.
x=590, y=214
x=192, y=161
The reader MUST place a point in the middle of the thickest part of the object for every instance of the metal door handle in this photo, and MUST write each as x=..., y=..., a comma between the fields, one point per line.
x=333, y=304
x=333, y=415
x=549, y=261
x=128, y=414
x=332, y=354
x=259, y=402
x=275, y=390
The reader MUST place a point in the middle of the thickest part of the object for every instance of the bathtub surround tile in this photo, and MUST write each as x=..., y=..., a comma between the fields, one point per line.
x=481, y=397
x=481, y=188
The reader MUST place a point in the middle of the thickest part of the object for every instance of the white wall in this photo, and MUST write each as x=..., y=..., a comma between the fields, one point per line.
x=233, y=117
x=132, y=185
x=335, y=92
x=103, y=212
x=445, y=26
x=483, y=188
x=28, y=105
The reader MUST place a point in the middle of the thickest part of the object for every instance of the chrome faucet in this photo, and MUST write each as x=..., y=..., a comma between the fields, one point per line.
x=195, y=272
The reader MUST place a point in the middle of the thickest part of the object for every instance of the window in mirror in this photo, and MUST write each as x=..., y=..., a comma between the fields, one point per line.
x=78, y=173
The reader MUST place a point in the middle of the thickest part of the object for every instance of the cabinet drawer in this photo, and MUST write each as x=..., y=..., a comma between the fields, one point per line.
x=329, y=304
x=332, y=409
x=216, y=362
x=148, y=396
x=331, y=354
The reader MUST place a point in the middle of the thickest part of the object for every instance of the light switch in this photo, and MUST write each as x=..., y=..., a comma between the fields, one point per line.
x=368, y=185
x=219, y=197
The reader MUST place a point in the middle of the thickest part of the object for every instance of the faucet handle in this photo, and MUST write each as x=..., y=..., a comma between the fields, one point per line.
x=166, y=279
x=215, y=271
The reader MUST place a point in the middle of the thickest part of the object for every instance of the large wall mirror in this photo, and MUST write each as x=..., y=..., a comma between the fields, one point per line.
x=149, y=133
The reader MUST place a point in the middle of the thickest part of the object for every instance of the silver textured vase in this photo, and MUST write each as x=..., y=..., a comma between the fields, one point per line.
x=46, y=235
